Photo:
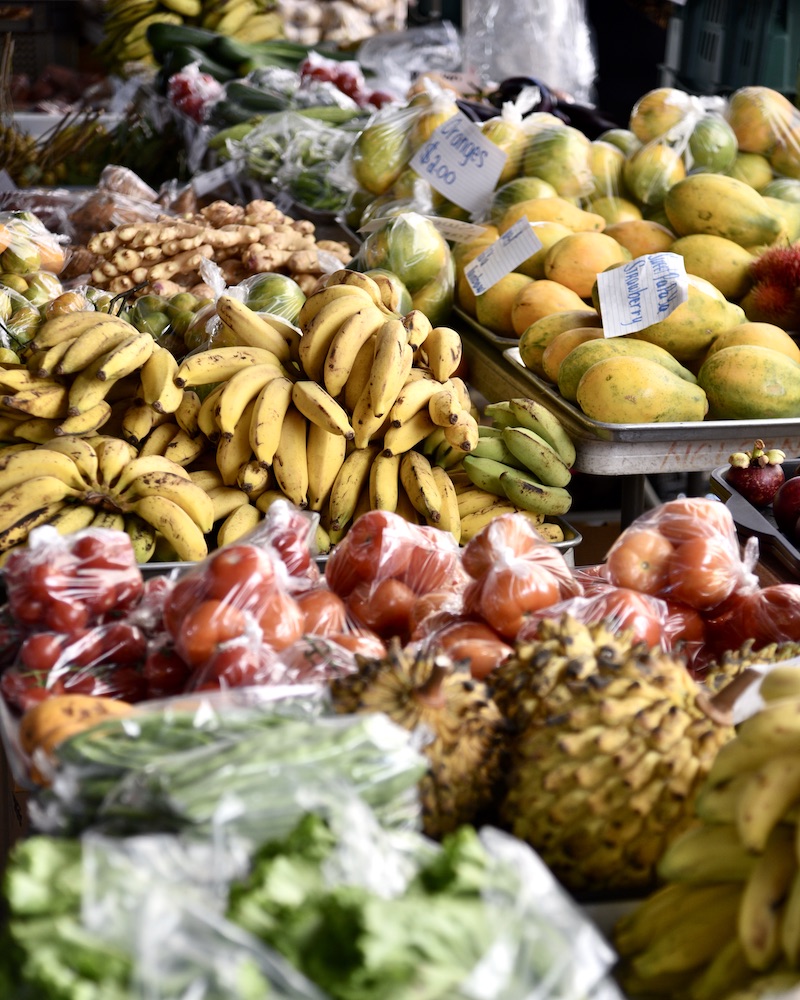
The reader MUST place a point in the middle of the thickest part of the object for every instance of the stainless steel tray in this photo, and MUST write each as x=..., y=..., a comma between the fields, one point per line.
x=680, y=446
x=752, y=522
x=484, y=332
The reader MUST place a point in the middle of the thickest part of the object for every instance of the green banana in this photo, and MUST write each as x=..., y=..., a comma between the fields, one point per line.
x=537, y=417
x=525, y=492
x=496, y=449
x=485, y=473
x=538, y=457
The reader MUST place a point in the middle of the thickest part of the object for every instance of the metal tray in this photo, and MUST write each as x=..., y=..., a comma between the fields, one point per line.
x=484, y=332
x=750, y=521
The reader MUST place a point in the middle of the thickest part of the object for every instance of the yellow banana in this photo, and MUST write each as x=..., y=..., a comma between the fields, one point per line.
x=81, y=453
x=35, y=429
x=397, y=440
x=238, y=524
x=158, y=381
x=449, y=513
x=390, y=367
x=253, y=478
x=268, y=498
x=319, y=299
x=49, y=403
x=207, y=414
x=359, y=375
x=226, y=499
x=384, y=482
x=779, y=683
x=325, y=454
x=87, y=390
x=92, y=344
x=207, y=479
x=17, y=532
x=707, y=854
x=418, y=327
x=290, y=463
x=463, y=433
x=69, y=326
x=186, y=494
x=271, y=406
x=158, y=439
x=771, y=790
x=19, y=379
x=319, y=407
x=72, y=517
x=145, y=464
x=418, y=482
x=763, y=898
x=126, y=358
x=175, y=525
x=367, y=425
x=443, y=352
x=351, y=480
x=444, y=407
x=355, y=279
x=21, y=466
x=470, y=500
x=43, y=364
x=318, y=335
x=220, y=363
x=414, y=395
x=142, y=535
x=250, y=329
x=114, y=455
x=790, y=923
x=348, y=340
x=87, y=422
x=186, y=416
x=473, y=523
x=234, y=450
x=25, y=498
x=110, y=520
x=240, y=390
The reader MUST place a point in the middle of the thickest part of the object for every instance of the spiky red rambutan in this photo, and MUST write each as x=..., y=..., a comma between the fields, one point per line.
x=773, y=300
x=778, y=266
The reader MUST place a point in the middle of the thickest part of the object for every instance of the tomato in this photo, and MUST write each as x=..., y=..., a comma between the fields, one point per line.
x=316, y=659
x=323, y=611
x=628, y=609
x=509, y=594
x=124, y=683
x=684, y=625
x=639, y=560
x=122, y=643
x=703, y=572
x=23, y=689
x=694, y=517
x=42, y=651
x=476, y=643
x=103, y=550
x=384, y=607
x=726, y=626
x=281, y=620
x=504, y=537
x=243, y=575
x=290, y=533
x=165, y=673
x=377, y=545
x=205, y=627
x=427, y=605
x=238, y=665
x=67, y=615
x=773, y=614
x=187, y=593
x=362, y=642
x=434, y=561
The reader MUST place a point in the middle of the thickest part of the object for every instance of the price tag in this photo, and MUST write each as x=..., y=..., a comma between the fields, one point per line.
x=460, y=162
x=455, y=230
x=641, y=292
x=497, y=260
x=210, y=180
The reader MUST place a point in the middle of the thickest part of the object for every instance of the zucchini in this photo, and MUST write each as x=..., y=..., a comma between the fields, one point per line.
x=253, y=99
x=183, y=55
x=162, y=38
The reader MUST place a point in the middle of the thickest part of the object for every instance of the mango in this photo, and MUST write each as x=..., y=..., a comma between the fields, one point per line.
x=517, y=190
x=547, y=233
x=630, y=390
x=494, y=308
x=751, y=383
x=563, y=345
x=553, y=209
x=576, y=260
x=789, y=214
x=535, y=338
x=615, y=209
x=784, y=158
x=785, y=188
x=689, y=330
x=605, y=162
x=417, y=251
x=658, y=111
x=721, y=206
x=641, y=236
x=651, y=171
x=540, y=298
x=756, y=335
x=722, y=262
x=712, y=145
x=759, y=116
x=584, y=355
x=560, y=156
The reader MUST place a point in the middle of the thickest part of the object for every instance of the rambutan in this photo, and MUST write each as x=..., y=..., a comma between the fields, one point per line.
x=775, y=294
x=778, y=265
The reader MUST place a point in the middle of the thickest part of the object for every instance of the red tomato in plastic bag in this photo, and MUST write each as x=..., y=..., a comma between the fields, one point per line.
x=186, y=595
x=206, y=627
x=281, y=620
x=378, y=545
x=639, y=560
x=772, y=614
x=694, y=517
x=384, y=606
x=242, y=575
x=703, y=572
x=503, y=538
x=475, y=642
x=323, y=611
x=165, y=673
x=434, y=561
x=509, y=594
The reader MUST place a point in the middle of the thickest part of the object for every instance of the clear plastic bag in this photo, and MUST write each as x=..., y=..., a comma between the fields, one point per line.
x=396, y=59
x=26, y=245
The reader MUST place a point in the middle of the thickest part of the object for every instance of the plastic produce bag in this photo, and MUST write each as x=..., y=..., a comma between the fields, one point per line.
x=545, y=40
x=396, y=59
x=26, y=245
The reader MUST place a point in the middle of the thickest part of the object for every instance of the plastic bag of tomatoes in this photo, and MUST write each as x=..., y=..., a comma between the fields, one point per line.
x=385, y=563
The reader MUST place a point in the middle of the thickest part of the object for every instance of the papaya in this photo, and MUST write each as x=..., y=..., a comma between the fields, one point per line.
x=721, y=206
x=641, y=236
x=658, y=111
x=753, y=169
x=553, y=209
x=577, y=259
x=629, y=390
x=615, y=209
x=583, y=356
x=535, y=338
x=789, y=214
x=746, y=382
x=722, y=262
x=539, y=298
x=494, y=308
x=757, y=335
x=547, y=233
x=759, y=116
x=563, y=345
x=517, y=190
x=688, y=331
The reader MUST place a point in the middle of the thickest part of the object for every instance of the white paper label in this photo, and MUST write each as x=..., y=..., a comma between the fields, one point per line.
x=641, y=292
x=210, y=180
x=460, y=162
x=455, y=230
x=497, y=260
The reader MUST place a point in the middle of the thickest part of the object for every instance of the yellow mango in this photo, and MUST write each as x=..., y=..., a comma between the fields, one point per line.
x=721, y=206
x=493, y=309
x=536, y=337
x=553, y=209
x=722, y=262
x=629, y=390
x=751, y=383
x=641, y=236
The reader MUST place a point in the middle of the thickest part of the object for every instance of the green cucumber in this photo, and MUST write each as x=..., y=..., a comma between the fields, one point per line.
x=165, y=37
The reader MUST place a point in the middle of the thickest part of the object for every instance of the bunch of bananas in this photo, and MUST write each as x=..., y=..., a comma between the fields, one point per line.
x=245, y=20
x=727, y=923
